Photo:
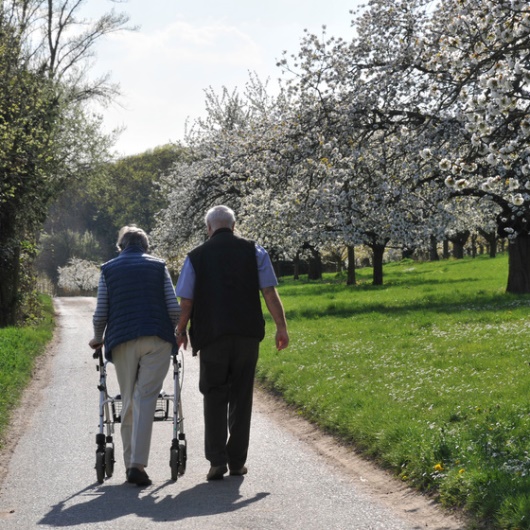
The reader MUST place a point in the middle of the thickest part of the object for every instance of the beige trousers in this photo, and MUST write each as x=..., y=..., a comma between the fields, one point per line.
x=141, y=366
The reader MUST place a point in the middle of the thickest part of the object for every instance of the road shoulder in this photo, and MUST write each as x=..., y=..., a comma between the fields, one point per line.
x=406, y=503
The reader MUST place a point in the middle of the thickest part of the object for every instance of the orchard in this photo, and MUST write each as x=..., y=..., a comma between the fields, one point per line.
x=413, y=131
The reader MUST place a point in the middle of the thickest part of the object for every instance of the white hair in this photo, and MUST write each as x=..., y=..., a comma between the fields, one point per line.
x=220, y=217
x=132, y=236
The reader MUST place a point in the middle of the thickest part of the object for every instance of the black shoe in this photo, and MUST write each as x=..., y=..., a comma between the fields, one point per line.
x=140, y=478
x=239, y=472
x=216, y=472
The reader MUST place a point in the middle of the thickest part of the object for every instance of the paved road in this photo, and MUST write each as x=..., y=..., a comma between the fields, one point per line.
x=51, y=480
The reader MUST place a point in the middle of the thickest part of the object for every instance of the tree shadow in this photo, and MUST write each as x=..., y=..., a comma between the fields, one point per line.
x=468, y=301
x=107, y=503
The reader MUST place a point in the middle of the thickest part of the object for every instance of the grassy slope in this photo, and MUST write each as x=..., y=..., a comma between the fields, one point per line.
x=18, y=349
x=428, y=374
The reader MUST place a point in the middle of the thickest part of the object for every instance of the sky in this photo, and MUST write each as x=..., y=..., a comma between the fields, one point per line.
x=184, y=47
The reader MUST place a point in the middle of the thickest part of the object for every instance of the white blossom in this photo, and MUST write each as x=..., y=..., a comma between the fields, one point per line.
x=79, y=275
x=445, y=164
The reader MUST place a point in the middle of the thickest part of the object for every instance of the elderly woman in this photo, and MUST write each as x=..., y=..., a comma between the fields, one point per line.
x=135, y=318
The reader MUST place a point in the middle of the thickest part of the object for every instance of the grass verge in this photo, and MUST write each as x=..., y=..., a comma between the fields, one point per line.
x=428, y=374
x=18, y=349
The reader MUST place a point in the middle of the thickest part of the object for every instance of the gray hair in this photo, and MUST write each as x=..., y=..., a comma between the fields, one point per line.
x=132, y=236
x=220, y=217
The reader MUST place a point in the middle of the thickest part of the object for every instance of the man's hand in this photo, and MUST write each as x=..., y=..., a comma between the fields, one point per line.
x=275, y=307
x=186, y=305
x=182, y=341
x=282, y=339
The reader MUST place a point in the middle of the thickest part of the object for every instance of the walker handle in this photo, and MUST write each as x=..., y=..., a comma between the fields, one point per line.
x=98, y=354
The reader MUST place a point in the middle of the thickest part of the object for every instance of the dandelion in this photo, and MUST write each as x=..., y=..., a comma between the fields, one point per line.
x=461, y=471
x=439, y=467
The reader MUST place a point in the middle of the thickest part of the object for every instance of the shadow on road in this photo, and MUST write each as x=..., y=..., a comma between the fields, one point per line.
x=106, y=503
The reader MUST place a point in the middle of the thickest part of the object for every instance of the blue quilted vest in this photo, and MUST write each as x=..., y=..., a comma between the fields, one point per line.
x=137, y=305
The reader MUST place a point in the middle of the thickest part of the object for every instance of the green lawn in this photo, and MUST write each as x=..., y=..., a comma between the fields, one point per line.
x=428, y=374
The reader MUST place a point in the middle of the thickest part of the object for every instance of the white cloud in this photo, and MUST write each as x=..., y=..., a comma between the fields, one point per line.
x=182, y=49
x=163, y=75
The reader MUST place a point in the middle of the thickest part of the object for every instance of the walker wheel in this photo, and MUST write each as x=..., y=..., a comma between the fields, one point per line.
x=100, y=466
x=109, y=460
x=183, y=456
x=174, y=463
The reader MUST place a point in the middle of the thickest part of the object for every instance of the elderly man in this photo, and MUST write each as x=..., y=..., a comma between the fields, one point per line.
x=219, y=290
x=137, y=313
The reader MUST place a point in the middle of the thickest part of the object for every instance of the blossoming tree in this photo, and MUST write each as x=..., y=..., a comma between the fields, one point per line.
x=484, y=55
x=456, y=73
x=374, y=137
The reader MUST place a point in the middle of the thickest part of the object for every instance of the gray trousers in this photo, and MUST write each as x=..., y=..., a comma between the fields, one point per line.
x=141, y=367
x=227, y=369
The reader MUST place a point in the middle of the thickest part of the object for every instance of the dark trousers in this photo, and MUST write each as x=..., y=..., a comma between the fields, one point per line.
x=227, y=369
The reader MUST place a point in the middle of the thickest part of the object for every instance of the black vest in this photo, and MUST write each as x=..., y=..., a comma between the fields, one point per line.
x=226, y=300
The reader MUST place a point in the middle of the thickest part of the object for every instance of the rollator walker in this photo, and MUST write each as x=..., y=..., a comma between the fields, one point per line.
x=110, y=414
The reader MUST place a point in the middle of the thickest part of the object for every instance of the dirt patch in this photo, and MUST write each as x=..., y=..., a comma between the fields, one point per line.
x=421, y=511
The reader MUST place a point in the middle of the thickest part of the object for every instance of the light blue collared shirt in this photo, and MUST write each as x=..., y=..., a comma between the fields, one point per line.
x=266, y=276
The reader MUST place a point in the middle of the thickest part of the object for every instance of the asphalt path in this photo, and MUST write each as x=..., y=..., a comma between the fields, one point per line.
x=50, y=479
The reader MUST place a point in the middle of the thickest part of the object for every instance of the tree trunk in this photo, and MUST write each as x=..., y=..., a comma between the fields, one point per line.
x=378, y=251
x=315, y=266
x=433, y=249
x=458, y=250
x=474, y=246
x=491, y=240
x=407, y=253
x=296, y=265
x=446, y=249
x=492, y=246
x=519, y=265
x=351, y=280
x=459, y=240
x=10, y=271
